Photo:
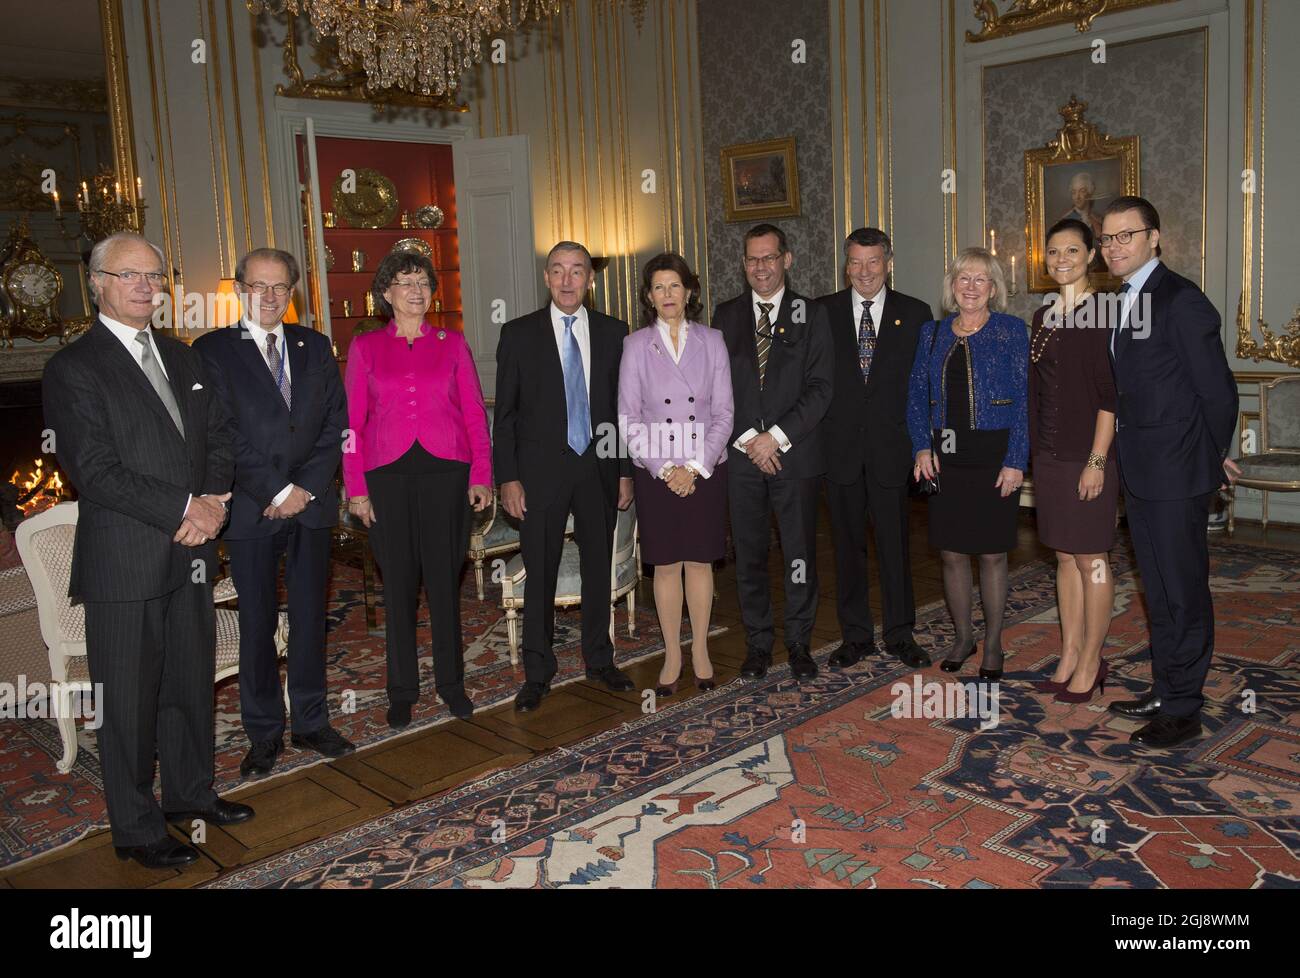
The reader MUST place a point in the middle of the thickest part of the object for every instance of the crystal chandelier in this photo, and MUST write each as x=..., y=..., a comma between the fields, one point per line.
x=418, y=46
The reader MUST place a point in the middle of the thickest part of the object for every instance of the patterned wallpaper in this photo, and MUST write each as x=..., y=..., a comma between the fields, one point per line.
x=1149, y=88
x=751, y=90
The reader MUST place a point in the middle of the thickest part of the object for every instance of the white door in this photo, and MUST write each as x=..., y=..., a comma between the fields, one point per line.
x=498, y=269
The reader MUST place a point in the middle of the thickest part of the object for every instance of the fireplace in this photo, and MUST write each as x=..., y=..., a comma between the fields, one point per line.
x=28, y=476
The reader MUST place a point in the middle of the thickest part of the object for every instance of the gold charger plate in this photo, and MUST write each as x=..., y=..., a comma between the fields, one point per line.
x=429, y=216
x=415, y=244
x=373, y=204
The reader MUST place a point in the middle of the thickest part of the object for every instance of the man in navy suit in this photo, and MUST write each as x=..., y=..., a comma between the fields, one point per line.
x=281, y=385
x=1174, y=427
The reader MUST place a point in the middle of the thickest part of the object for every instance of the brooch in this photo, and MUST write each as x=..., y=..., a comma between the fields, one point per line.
x=442, y=334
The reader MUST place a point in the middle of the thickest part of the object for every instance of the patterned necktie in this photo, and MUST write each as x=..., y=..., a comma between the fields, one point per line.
x=575, y=390
x=763, y=339
x=276, y=361
x=158, y=379
x=866, y=340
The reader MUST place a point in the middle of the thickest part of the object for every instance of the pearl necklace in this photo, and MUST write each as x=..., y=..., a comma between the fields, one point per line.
x=1037, y=349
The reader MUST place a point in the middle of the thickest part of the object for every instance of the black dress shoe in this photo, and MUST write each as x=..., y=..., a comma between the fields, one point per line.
x=612, y=678
x=165, y=853
x=530, y=696
x=460, y=705
x=260, y=759
x=801, y=663
x=909, y=653
x=849, y=654
x=1145, y=708
x=326, y=740
x=221, y=813
x=1166, y=730
x=954, y=665
x=399, y=715
x=756, y=663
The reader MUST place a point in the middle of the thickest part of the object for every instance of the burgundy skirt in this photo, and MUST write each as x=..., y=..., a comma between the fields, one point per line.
x=674, y=528
x=1065, y=523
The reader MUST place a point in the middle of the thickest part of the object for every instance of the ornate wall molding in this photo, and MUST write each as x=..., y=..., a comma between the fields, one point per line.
x=1031, y=15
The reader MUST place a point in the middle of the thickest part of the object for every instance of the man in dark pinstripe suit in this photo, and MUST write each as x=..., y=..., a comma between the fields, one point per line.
x=148, y=447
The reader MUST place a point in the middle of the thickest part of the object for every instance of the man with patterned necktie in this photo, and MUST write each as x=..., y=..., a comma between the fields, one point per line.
x=556, y=398
x=280, y=383
x=781, y=365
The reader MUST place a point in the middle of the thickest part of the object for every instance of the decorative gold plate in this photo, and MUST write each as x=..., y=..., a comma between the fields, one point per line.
x=429, y=216
x=329, y=259
x=372, y=205
x=415, y=244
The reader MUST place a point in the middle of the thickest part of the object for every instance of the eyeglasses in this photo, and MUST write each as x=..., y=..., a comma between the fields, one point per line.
x=1120, y=237
x=279, y=290
x=767, y=261
x=421, y=284
x=979, y=281
x=131, y=277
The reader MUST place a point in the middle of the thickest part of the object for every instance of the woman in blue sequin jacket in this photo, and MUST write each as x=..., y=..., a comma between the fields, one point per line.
x=967, y=417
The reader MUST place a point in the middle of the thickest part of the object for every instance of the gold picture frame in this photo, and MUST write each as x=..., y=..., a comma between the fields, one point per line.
x=760, y=180
x=1057, y=176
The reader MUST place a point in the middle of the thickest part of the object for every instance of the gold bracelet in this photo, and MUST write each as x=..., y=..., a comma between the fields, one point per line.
x=1096, y=461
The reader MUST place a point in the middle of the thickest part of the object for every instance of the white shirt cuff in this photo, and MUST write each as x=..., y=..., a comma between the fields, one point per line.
x=699, y=469
x=740, y=443
x=780, y=437
x=665, y=469
x=279, y=498
x=187, y=506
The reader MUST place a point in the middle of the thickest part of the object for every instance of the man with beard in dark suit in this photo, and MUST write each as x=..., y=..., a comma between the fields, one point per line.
x=147, y=444
x=780, y=349
x=868, y=452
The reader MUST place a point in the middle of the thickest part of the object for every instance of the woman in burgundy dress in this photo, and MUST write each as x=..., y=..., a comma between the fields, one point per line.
x=1076, y=486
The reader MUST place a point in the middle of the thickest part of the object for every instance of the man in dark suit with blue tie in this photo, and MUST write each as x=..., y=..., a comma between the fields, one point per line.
x=280, y=384
x=147, y=444
x=1174, y=426
x=556, y=406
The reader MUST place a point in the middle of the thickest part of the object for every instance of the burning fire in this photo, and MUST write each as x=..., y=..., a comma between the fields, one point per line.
x=38, y=490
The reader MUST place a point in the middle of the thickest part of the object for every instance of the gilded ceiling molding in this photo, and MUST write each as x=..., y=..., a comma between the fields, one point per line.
x=68, y=94
x=1031, y=15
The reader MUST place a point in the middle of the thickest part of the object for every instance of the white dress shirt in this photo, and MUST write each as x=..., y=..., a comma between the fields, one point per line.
x=774, y=430
x=259, y=335
x=1135, y=283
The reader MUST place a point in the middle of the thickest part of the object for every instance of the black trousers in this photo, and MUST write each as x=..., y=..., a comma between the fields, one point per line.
x=1174, y=559
x=888, y=508
x=753, y=498
x=155, y=660
x=541, y=538
x=421, y=531
x=255, y=566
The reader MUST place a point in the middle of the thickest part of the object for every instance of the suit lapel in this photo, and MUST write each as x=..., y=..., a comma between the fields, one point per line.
x=297, y=350
x=1126, y=332
x=889, y=335
x=129, y=368
x=181, y=382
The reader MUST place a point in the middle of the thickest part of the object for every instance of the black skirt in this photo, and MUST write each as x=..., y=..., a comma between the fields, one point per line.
x=969, y=514
x=674, y=528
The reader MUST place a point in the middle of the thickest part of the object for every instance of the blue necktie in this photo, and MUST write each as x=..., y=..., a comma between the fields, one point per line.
x=575, y=391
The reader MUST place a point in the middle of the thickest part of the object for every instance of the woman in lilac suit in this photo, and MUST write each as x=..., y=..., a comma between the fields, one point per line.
x=419, y=458
x=675, y=408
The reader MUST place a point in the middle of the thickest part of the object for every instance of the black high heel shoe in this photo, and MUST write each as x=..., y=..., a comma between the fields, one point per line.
x=954, y=665
x=991, y=675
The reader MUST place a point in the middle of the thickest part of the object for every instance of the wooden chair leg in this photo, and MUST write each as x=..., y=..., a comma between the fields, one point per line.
x=512, y=632
x=1232, y=511
x=631, y=612
x=478, y=576
x=1265, y=495
x=67, y=724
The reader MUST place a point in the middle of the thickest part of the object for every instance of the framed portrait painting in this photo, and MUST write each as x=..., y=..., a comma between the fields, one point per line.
x=1075, y=175
x=760, y=181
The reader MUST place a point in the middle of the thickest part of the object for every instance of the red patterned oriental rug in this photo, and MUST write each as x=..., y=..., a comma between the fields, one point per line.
x=41, y=809
x=780, y=783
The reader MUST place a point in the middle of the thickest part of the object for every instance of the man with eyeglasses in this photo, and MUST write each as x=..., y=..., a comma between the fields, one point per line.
x=280, y=383
x=1177, y=411
x=147, y=444
x=781, y=363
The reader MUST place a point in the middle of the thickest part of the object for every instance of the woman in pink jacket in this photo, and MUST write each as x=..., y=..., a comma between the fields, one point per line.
x=674, y=404
x=418, y=458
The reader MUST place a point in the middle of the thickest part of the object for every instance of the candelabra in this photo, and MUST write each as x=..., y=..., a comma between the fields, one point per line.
x=105, y=207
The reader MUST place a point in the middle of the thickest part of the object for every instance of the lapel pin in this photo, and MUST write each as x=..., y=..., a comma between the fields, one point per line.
x=898, y=322
x=300, y=342
x=442, y=334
